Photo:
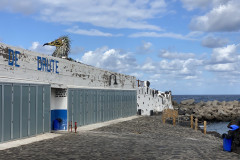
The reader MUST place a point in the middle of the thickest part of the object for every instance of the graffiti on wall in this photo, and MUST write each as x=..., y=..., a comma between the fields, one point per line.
x=48, y=65
x=43, y=64
x=13, y=58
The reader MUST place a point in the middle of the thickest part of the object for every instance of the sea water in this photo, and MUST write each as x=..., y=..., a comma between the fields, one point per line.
x=205, y=98
x=220, y=127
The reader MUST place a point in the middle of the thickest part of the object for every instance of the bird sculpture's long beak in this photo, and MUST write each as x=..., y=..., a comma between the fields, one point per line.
x=46, y=44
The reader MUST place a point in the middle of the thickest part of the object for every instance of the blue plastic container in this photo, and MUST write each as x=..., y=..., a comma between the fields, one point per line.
x=59, y=114
x=56, y=125
x=227, y=144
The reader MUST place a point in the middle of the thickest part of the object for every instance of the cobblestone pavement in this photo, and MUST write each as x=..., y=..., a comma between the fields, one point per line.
x=141, y=138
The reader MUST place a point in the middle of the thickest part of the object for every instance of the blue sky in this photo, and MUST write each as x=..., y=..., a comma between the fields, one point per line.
x=187, y=46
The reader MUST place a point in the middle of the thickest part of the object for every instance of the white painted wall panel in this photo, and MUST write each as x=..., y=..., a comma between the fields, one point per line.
x=70, y=73
x=57, y=102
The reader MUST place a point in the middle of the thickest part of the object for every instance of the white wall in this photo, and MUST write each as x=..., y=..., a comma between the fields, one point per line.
x=146, y=101
x=70, y=73
x=57, y=102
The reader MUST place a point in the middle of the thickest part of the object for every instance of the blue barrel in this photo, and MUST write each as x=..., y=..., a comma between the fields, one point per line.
x=56, y=124
x=61, y=116
x=227, y=144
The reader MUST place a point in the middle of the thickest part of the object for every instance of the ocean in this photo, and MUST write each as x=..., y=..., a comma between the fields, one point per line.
x=206, y=98
x=220, y=127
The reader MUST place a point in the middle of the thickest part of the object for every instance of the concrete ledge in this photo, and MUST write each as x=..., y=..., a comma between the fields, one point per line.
x=102, y=124
x=17, y=143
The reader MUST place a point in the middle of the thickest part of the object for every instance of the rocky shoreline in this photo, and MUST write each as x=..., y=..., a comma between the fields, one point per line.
x=213, y=111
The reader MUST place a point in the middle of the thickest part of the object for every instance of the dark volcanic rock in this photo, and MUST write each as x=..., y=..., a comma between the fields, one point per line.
x=181, y=112
x=188, y=102
x=211, y=110
x=174, y=103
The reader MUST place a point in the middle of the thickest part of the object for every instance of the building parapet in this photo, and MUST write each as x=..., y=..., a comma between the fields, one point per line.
x=20, y=65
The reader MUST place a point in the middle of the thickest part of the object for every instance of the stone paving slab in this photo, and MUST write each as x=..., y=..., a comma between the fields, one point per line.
x=141, y=138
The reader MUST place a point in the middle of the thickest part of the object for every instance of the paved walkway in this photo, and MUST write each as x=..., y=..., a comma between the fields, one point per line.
x=141, y=138
x=24, y=141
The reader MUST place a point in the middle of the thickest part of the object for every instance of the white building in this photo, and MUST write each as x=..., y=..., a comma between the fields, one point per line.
x=40, y=93
x=151, y=101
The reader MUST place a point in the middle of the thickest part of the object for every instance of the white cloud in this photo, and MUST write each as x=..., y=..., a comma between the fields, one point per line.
x=160, y=35
x=173, y=68
x=174, y=55
x=221, y=67
x=37, y=47
x=138, y=75
x=158, y=4
x=192, y=4
x=220, y=19
x=145, y=48
x=214, y=42
x=194, y=34
x=149, y=66
x=202, y=4
x=225, y=59
x=226, y=54
x=107, y=13
x=147, y=45
x=91, y=32
x=110, y=59
x=25, y=7
x=118, y=61
x=190, y=77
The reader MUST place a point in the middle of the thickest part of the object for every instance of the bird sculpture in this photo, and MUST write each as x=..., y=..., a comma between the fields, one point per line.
x=62, y=45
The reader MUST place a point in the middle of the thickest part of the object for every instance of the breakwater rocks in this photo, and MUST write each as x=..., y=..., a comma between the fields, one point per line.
x=210, y=111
